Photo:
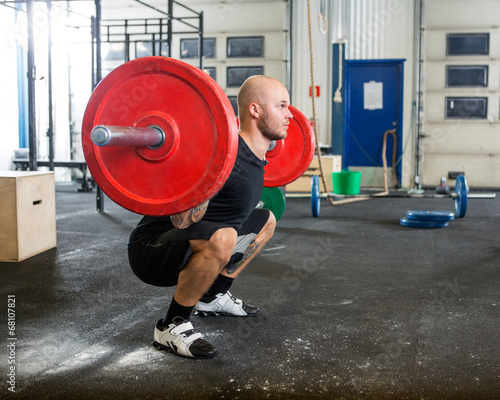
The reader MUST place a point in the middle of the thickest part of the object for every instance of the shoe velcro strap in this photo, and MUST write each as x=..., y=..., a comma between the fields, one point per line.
x=190, y=339
x=230, y=299
x=182, y=328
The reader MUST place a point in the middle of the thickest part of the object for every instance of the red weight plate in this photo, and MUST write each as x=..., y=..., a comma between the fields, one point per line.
x=201, y=139
x=291, y=156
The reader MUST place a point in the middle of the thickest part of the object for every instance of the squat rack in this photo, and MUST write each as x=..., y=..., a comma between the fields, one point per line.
x=157, y=31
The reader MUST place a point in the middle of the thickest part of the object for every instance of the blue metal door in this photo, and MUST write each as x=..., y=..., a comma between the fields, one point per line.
x=373, y=105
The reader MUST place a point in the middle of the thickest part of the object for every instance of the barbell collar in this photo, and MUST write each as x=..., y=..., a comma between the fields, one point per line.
x=272, y=145
x=104, y=135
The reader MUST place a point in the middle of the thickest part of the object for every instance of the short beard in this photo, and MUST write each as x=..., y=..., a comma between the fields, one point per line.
x=266, y=129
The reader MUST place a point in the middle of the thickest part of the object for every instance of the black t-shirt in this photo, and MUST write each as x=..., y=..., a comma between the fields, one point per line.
x=242, y=191
x=232, y=205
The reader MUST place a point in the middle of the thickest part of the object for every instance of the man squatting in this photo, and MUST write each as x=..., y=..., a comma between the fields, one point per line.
x=201, y=251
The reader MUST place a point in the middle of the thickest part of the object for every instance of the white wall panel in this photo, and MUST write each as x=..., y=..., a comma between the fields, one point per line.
x=436, y=44
x=463, y=162
x=378, y=29
x=469, y=145
x=436, y=76
x=435, y=107
x=462, y=14
x=454, y=137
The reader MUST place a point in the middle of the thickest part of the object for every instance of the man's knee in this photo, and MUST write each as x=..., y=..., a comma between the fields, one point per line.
x=222, y=243
x=269, y=227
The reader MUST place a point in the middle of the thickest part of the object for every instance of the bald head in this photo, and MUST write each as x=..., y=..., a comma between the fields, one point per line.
x=257, y=89
x=264, y=113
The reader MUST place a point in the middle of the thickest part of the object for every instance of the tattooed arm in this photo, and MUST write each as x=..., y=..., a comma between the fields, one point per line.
x=189, y=217
x=253, y=248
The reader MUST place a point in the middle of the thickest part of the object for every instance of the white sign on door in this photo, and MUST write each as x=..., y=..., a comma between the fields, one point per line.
x=372, y=95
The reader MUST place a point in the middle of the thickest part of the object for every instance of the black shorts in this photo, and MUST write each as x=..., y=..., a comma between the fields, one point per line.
x=157, y=260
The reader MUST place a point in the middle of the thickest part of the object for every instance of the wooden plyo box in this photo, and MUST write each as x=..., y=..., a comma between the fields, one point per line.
x=330, y=163
x=27, y=214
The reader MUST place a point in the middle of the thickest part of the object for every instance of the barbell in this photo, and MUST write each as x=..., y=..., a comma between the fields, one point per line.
x=459, y=197
x=160, y=137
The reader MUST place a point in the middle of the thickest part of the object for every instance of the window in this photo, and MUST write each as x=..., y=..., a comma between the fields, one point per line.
x=237, y=75
x=466, y=75
x=145, y=49
x=211, y=71
x=113, y=51
x=189, y=48
x=250, y=46
x=467, y=44
x=234, y=103
x=466, y=107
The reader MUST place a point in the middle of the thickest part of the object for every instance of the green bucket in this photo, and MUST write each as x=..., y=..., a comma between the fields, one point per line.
x=346, y=182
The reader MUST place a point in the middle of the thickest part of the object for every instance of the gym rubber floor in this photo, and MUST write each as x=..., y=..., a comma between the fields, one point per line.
x=353, y=306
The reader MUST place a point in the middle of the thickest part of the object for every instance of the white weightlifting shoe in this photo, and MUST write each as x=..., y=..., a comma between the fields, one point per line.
x=225, y=304
x=181, y=339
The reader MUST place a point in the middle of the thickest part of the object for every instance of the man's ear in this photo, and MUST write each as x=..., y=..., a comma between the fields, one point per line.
x=254, y=109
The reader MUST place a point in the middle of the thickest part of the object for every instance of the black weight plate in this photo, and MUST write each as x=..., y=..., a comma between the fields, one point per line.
x=422, y=224
x=424, y=215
